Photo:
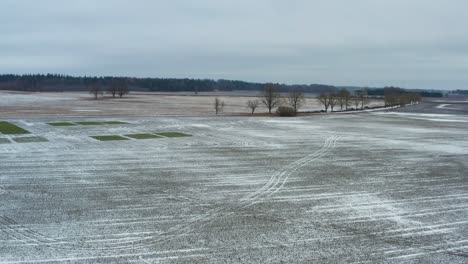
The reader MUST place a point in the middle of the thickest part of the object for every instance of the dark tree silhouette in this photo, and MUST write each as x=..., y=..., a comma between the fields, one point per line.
x=218, y=105
x=270, y=97
x=296, y=99
x=112, y=89
x=95, y=88
x=253, y=104
x=122, y=88
x=328, y=99
x=344, y=97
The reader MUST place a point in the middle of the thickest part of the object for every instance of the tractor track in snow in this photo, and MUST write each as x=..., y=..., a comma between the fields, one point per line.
x=275, y=183
x=279, y=179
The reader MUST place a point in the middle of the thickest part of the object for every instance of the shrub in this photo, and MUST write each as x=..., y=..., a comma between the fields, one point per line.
x=285, y=111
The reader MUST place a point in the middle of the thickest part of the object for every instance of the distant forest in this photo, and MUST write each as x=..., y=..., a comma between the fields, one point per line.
x=423, y=93
x=460, y=92
x=66, y=83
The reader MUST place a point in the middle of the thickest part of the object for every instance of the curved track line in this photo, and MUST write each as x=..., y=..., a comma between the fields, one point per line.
x=279, y=179
x=275, y=183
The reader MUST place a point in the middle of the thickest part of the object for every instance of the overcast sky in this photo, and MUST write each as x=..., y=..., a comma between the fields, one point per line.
x=409, y=43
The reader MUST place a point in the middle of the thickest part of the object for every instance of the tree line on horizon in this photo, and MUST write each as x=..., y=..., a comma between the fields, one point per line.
x=289, y=104
x=295, y=99
x=64, y=83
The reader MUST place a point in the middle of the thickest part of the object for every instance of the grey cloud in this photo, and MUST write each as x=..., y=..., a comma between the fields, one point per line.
x=420, y=44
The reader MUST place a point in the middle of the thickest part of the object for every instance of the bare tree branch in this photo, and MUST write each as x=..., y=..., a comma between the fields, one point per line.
x=95, y=88
x=218, y=105
x=122, y=88
x=344, y=97
x=270, y=97
x=296, y=99
x=253, y=104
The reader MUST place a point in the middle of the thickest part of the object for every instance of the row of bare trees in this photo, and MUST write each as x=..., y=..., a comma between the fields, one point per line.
x=271, y=98
x=290, y=104
x=394, y=96
x=344, y=99
x=118, y=87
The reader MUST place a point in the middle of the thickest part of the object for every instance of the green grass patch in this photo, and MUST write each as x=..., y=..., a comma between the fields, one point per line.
x=143, y=136
x=96, y=123
x=173, y=134
x=29, y=139
x=90, y=123
x=4, y=141
x=109, y=138
x=10, y=129
x=58, y=124
x=114, y=123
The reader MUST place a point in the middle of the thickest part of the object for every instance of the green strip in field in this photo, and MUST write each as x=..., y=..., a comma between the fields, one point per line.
x=114, y=123
x=90, y=123
x=10, y=129
x=173, y=134
x=143, y=136
x=4, y=141
x=100, y=123
x=109, y=138
x=29, y=139
x=62, y=124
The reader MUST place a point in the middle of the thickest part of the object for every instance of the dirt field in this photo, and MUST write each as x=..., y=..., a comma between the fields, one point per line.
x=17, y=104
x=383, y=187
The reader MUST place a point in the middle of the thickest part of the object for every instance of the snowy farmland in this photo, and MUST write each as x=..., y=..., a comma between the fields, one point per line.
x=21, y=104
x=365, y=188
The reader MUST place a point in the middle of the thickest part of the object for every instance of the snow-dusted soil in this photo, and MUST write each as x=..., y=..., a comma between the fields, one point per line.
x=447, y=106
x=364, y=188
x=20, y=104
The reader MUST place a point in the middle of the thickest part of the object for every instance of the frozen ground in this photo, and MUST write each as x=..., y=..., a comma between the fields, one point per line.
x=19, y=104
x=453, y=105
x=358, y=188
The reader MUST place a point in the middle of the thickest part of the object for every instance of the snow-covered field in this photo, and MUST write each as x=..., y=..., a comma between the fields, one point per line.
x=362, y=188
x=19, y=104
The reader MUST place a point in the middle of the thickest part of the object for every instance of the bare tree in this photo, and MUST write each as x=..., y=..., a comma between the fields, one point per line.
x=344, y=96
x=415, y=98
x=328, y=99
x=253, y=104
x=364, y=101
x=112, y=89
x=122, y=88
x=391, y=95
x=270, y=97
x=218, y=105
x=404, y=99
x=356, y=101
x=333, y=100
x=296, y=99
x=323, y=98
x=363, y=98
x=95, y=89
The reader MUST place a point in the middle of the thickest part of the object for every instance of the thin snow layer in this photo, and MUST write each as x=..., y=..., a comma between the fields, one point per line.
x=21, y=104
x=429, y=117
x=447, y=106
x=442, y=106
x=322, y=189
